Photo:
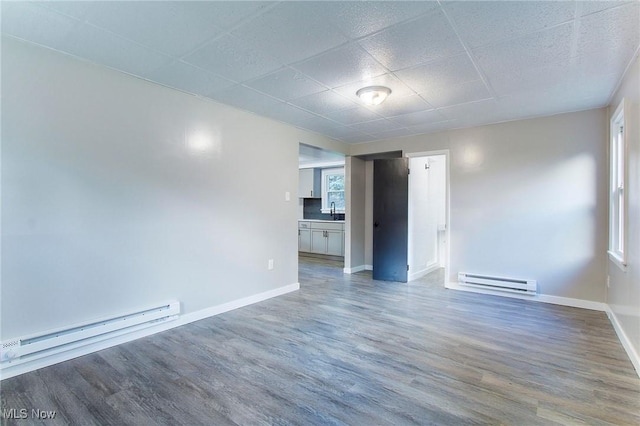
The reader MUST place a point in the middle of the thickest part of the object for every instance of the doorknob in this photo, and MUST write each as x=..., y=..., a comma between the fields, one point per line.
x=375, y=225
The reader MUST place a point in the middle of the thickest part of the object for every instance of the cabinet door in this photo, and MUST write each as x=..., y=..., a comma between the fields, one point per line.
x=304, y=240
x=318, y=241
x=335, y=243
x=305, y=183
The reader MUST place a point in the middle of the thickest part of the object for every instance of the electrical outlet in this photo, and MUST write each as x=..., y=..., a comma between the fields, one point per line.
x=270, y=265
x=287, y=196
x=608, y=281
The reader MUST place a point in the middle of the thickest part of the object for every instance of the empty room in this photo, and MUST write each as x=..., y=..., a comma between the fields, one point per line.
x=320, y=212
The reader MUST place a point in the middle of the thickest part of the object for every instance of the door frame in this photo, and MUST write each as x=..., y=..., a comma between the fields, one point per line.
x=447, y=248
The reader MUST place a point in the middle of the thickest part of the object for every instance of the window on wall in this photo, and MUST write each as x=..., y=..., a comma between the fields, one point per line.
x=617, y=185
x=333, y=189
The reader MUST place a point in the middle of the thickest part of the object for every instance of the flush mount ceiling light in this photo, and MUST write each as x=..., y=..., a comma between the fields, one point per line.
x=373, y=95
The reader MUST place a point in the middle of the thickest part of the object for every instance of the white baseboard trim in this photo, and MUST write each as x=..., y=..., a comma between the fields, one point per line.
x=125, y=336
x=415, y=275
x=624, y=339
x=354, y=269
x=229, y=306
x=544, y=298
x=358, y=268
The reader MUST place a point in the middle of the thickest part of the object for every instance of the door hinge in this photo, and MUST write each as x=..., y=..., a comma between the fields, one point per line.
x=407, y=267
x=408, y=171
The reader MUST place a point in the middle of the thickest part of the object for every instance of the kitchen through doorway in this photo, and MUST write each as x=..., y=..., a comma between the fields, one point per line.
x=321, y=203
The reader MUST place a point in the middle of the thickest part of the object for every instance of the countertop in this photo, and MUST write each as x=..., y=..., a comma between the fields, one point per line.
x=321, y=220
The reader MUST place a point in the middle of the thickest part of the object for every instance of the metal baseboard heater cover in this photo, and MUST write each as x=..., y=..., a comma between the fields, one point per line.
x=53, y=341
x=513, y=285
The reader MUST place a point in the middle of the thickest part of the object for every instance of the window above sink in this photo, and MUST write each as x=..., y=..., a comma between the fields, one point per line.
x=333, y=184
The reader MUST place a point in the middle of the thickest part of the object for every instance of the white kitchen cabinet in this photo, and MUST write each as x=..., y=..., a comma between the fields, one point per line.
x=327, y=238
x=309, y=183
x=318, y=241
x=304, y=236
x=335, y=243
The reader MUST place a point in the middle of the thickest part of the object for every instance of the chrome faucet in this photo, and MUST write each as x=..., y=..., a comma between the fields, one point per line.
x=333, y=210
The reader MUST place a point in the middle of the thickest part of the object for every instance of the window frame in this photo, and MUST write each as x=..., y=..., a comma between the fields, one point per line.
x=326, y=208
x=618, y=180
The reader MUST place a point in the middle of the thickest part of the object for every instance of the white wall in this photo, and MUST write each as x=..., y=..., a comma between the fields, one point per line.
x=368, y=217
x=110, y=201
x=528, y=199
x=623, y=296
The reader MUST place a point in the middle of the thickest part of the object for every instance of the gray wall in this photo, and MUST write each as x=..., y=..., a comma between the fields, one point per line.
x=624, y=293
x=355, y=211
x=118, y=194
x=528, y=199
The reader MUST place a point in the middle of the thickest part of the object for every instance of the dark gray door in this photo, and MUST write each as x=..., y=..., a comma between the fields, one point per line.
x=390, y=219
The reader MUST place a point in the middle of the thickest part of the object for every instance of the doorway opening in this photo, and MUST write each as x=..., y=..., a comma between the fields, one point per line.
x=428, y=222
x=321, y=206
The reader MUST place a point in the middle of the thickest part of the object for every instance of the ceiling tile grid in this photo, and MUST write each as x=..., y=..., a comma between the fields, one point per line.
x=408, y=44
x=449, y=64
x=290, y=32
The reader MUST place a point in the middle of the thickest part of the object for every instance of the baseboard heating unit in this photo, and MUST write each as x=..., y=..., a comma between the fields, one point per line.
x=513, y=285
x=55, y=341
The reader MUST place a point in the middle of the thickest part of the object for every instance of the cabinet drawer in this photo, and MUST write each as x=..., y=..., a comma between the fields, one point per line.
x=304, y=225
x=329, y=226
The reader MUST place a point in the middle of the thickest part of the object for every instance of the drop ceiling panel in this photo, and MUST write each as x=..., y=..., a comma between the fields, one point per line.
x=433, y=127
x=358, y=19
x=342, y=66
x=233, y=59
x=483, y=22
x=417, y=118
x=575, y=75
x=106, y=48
x=399, y=105
x=287, y=113
x=324, y=102
x=589, y=7
x=536, y=104
x=457, y=94
x=149, y=23
x=376, y=126
x=321, y=125
x=286, y=84
x=247, y=99
x=532, y=50
x=448, y=64
x=353, y=116
x=342, y=132
x=479, y=110
x=430, y=36
x=395, y=133
x=75, y=9
x=290, y=32
x=612, y=30
x=189, y=78
x=439, y=73
x=39, y=25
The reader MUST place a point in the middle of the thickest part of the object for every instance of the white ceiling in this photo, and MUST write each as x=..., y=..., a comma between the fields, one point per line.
x=311, y=156
x=449, y=64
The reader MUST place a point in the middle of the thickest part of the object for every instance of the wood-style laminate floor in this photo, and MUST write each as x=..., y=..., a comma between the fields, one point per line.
x=349, y=350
